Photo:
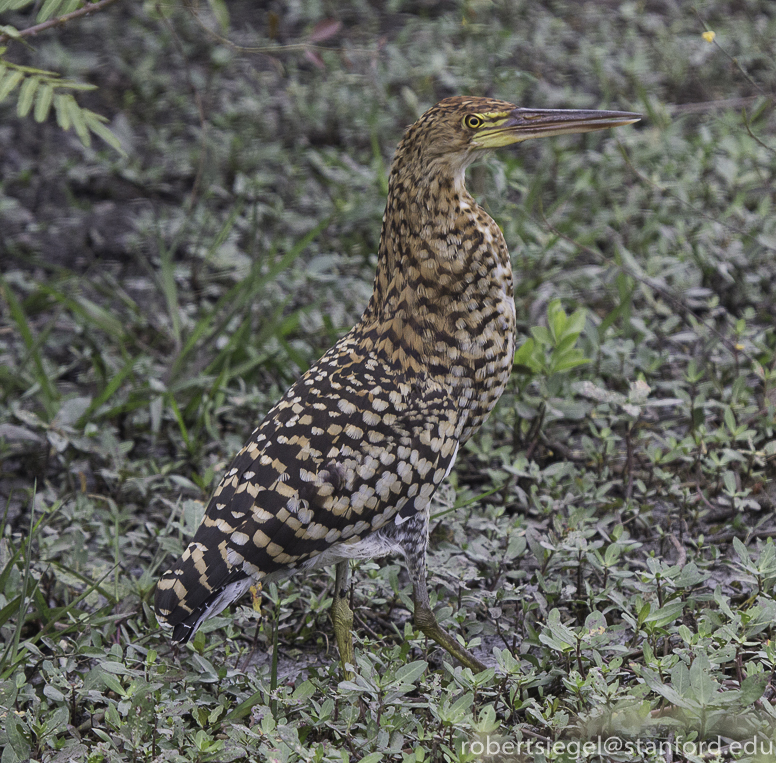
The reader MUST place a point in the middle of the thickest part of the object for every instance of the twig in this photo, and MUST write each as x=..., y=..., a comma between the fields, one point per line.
x=271, y=50
x=59, y=21
x=732, y=59
x=683, y=202
x=704, y=106
x=728, y=536
x=649, y=283
x=566, y=452
x=680, y=549
x=748, y=126
x=629, y=462
x=199, y=104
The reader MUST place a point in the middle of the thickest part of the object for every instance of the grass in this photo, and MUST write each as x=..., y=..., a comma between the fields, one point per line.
x=606, y=540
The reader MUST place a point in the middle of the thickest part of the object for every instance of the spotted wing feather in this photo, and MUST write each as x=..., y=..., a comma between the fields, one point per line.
x=351, y=445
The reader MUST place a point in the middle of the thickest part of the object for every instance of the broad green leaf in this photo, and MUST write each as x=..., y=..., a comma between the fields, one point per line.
x=566, y=342
x=667, y=614
x=373, y=757
x=524, y=356
x=680, y=679
x=566, y=364
x=17, y=739
x=753, y=687
x=304, y=691
x=664, y=690
x=576, y=323
x=460, y=708
x=411, y=672
x=542, y=335
x=741, y=550
x=704, y=687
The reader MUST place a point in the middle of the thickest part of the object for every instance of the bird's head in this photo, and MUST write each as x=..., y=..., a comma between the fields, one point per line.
x=452, y=134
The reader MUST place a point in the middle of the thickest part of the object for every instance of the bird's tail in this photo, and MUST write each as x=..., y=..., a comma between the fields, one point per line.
x=196, y=588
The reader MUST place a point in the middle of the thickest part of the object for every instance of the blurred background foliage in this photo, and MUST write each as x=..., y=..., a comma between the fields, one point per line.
x=155, y=303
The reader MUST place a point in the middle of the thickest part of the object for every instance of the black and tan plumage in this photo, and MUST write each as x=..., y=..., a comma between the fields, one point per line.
x=345, y=465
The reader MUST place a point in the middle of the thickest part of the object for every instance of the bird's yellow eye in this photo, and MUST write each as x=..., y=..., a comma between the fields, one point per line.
x=472, y=121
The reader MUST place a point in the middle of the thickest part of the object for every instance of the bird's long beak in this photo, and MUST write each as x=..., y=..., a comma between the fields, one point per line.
x=522, y=124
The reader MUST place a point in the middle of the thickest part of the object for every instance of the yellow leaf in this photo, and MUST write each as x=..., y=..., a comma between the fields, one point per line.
x=256, y=597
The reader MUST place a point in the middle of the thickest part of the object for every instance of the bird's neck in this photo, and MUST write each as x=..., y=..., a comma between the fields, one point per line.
x=442, y=263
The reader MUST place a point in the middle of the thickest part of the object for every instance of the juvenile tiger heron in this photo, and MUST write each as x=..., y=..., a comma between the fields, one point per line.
x=345, y=465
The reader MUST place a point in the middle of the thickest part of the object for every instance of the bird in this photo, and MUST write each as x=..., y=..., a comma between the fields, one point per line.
x=345, y=465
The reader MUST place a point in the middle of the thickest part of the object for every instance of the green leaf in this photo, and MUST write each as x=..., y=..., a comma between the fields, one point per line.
x=753, y=687
x=411, y=672
x=10, y=609
x=669, y=692
x=17, y=739
x=741, y=550
x=576, y=323
x=524, y=358
x=557, y=636
x=11, y=31
x=680, y=679
x=79, y=122
x=8, y=83
x=26, y=96
x=667, y=614
x=460, y=708
x=729, y=478
x=63, y=110
x=221, y=12
x=566, y=364
x=95, y=124
x=13, y=5
x=566, y=342
x=49, y=9
x=113, y=683
x=304, y=691
x=556, y=319
x=373, y=757
x=612, y=554
x=43, y=102
x=542, y=335
x=704, y=687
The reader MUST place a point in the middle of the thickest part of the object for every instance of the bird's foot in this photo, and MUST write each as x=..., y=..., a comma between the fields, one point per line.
x=426, y=621
x=342, y=620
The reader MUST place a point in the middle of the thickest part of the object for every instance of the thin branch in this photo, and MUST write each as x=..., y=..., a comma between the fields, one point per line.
x=271, y=50
x=680, y=550
x=716, y=106
x=59, y=21
x=732, y=59
x=687, y=204
x=200, y=108
x=669, y=296
x=748, y=126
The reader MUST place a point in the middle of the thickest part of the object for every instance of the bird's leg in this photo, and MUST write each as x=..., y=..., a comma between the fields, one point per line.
x=342, y=617
x=425, y=621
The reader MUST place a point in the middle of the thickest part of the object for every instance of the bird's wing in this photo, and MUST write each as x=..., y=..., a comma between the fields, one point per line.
x=351, y=445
